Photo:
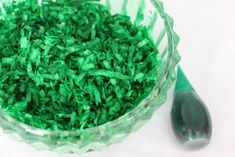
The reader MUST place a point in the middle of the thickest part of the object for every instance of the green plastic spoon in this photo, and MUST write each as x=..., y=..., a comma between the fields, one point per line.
x=190, y=117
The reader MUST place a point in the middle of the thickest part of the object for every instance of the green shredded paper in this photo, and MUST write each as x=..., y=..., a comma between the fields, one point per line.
x=71, y=65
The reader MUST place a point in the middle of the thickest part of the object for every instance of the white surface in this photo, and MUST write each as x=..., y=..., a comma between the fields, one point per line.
x=207, y=47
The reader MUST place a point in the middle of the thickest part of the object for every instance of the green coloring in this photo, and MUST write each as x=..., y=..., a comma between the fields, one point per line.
x=71, y=66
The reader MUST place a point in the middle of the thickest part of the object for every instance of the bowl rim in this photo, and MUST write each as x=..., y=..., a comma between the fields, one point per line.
x=44, y=132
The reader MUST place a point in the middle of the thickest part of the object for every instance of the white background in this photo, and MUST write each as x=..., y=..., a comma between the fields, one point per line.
x=207, y=47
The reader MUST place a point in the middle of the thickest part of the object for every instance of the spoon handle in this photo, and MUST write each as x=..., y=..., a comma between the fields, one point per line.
x=190, y=117
x=182, y=82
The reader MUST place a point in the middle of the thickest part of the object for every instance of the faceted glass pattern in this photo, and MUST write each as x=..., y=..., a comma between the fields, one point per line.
x=161, y=27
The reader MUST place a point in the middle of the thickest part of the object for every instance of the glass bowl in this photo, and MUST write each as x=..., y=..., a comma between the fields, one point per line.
x=149, y=13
